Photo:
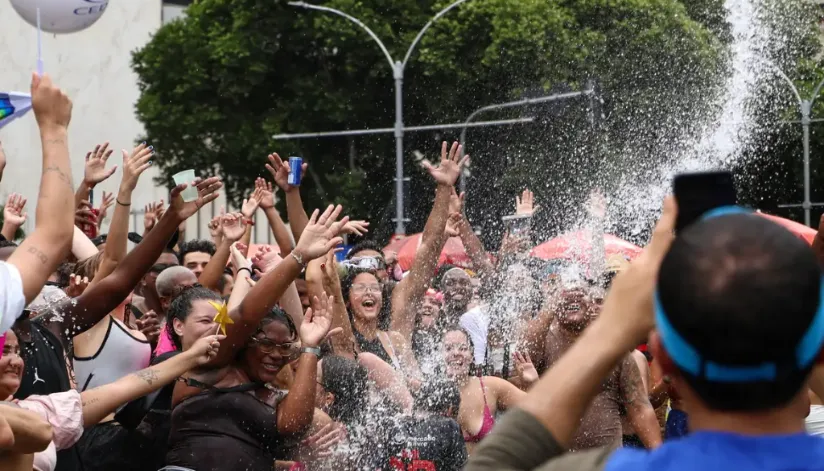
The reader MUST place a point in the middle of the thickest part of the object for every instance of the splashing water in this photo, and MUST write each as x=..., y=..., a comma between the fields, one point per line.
x=724, y=137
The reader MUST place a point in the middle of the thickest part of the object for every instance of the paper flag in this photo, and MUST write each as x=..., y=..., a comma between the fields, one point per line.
x=222, y=317
x=12, y=106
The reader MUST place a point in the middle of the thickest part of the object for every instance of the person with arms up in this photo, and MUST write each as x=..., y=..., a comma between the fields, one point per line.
x=29, y=267
x=736, y=305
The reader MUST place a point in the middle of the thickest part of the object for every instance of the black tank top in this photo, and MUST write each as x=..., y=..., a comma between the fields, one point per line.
x=224, y=429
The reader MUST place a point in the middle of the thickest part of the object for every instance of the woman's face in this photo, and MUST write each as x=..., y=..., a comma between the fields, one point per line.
x=198, y=324
x=11, y=367
x=457, y=354
x=323, y=398
x=269, y=351
x=365, y=297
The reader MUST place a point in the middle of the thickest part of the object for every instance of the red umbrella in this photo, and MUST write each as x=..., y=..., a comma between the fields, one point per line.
x=577, y=245
x=453, y=251
x=806, y=233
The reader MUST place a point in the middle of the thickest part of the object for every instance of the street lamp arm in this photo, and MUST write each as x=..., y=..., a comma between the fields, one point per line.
x=426, y=27
x=353, y=20
x=781, y=74
x=815, y=92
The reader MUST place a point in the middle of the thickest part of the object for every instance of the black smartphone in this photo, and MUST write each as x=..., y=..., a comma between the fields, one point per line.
x=697, y=193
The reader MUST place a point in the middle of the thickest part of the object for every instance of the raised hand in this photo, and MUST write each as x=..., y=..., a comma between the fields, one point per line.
x=77, y=285
x=238, y=260
x=321, y=233
x=96, y=171
x=251, y=205
x=267, y=259
x=526, y=370
x=355, y=227
x=149, y=217
x=597, y=205
x=134, y=164
x=84, y=215
x=13, y=213
x=453, y=224
x=322, y=443
x=215, y=230
x=206, y=193
x=317, y=321
x=280, y=172
x=233, y=226
x=267, y=196
x=204, y=349
x=449, y=169
x=525, y=204
x=52, y=108
x=105, y=204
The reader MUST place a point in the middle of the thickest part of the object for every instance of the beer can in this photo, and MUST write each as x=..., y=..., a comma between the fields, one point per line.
x=295, y=170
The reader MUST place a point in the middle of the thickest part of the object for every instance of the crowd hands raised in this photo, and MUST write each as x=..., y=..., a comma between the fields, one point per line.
x=199, y=355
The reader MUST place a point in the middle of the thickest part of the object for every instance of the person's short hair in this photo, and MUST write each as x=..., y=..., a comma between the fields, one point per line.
x=348, y=381
x=196, y=245
x=166, y=281
x=438, y=396
x=742, y=291
x=363, y=246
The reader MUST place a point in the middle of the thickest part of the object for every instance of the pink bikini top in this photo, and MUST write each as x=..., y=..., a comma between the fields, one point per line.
x=486, y=425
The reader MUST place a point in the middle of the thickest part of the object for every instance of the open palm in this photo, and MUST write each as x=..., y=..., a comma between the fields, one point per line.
x=318, y=320
x=206, y=193
x=449, y=169
x=233, y=226
x=95, y=170
x=321, y=234
x=13, y=212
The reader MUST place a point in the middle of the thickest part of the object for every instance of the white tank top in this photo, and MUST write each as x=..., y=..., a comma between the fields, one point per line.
x=120, y=354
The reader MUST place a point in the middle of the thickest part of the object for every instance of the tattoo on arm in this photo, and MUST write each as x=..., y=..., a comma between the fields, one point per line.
x=633, y=391
x=60, y=174
x=39, y=254
x=91, y=401
x=149, y=375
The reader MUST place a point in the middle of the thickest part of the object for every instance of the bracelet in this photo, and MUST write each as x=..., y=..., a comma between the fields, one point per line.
x=298, y=258
x=249, y=222
x=313, y=350
x=245, y=268
x=122, y=204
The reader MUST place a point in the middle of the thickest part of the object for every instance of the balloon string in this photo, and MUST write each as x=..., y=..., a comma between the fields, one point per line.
x=39, y=45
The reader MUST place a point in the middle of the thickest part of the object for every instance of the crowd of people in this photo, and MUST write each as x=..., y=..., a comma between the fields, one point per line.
x=200, y=355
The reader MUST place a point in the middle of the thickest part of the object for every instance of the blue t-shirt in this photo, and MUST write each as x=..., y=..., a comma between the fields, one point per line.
x=717, y=451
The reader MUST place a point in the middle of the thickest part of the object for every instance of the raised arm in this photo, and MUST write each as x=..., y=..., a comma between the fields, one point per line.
x=294, y=205
x=319, y=237
x=103, y=400
x=267, y=204
x=117, y=241
x=411, y=289
x=233, y=226
x=99, y=300
x=636, y=401
x=322, y=276
x=48, y=245
x=14, y=215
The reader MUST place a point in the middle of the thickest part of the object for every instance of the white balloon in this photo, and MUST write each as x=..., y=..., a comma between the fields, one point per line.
x=61, y=16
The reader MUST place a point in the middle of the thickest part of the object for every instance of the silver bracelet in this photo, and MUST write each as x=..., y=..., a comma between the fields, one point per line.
x=298, y=258
x=313, y=350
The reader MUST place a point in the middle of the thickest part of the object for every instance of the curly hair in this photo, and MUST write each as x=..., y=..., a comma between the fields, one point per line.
x=196, y=245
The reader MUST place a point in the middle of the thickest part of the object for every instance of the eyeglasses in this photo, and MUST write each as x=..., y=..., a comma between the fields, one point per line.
x=366, y=263
x=267, y=346
x=360, y=288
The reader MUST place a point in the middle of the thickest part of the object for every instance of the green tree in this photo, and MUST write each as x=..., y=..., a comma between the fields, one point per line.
x=218, y=84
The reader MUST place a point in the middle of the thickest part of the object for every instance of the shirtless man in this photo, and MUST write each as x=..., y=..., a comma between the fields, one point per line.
x=579, y=304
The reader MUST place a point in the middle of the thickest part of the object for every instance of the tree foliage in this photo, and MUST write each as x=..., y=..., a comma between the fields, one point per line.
x=217, y=85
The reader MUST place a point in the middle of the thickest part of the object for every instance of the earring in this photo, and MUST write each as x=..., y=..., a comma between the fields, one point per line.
x=667, y=379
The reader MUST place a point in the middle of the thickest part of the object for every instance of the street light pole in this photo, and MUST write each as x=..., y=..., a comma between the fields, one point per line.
x=513, y=104
x=398, y=68
x=806, y=111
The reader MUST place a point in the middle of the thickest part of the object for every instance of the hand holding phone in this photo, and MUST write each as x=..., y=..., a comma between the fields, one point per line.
x=697, y=193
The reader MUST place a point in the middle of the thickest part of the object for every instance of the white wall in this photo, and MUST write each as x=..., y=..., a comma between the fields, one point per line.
x=93, y=67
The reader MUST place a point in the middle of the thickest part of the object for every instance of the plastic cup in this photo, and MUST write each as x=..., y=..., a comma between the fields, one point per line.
x=187, y=177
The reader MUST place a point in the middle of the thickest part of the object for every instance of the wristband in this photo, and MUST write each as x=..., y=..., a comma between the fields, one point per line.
x=245, y=268
x=298, y=258
x=249, y=222
x=123, y=204
x=313, y=350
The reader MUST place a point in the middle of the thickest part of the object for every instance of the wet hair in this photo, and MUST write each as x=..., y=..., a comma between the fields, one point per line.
x=347, y=380
x=181, y=307
x=438, y=396
x=196, y=245
x=89, y=266
x=64, y=272
x=742, y=290
x=276, y=314
x=384, y=316
x=363, y=246
x=7, y=243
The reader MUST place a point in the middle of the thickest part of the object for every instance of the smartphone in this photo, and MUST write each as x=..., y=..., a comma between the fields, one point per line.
x=90, y=229
x=518, y=224
x=697, y=193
